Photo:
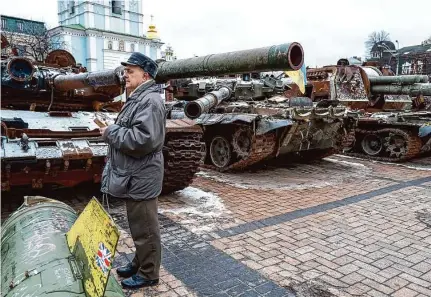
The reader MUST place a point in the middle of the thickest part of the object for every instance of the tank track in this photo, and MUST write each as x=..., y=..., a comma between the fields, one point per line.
x=348, y=140
x=414, y=145
x=263, y=146
x=183, y=152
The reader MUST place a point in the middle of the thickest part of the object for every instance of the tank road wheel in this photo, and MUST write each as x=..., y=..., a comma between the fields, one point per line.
x=241, y=142
x=220, y=152
x=372, y=144
x=396, y=145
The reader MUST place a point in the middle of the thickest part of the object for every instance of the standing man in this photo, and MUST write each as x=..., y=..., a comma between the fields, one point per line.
x=134, y=170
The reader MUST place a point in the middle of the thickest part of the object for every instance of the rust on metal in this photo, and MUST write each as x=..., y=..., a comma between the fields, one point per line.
x=75, y=150
x=101, y=78
x=4, y=41
x=385, y=131
x=60, y=57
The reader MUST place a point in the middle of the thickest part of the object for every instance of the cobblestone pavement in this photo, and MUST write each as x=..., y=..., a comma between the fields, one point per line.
x=338, y=227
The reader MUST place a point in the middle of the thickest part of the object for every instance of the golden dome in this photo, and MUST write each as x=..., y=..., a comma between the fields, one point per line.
x=152, y=31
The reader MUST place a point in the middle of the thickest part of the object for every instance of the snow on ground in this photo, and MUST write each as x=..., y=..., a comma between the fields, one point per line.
x=200, y=211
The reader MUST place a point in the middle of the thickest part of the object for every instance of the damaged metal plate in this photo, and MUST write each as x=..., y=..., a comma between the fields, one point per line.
x=266, y=125
x=13, y=150
x=44, y=150
x=71, y=121
x=211, y=119
x=75, y=149
x=182, y=125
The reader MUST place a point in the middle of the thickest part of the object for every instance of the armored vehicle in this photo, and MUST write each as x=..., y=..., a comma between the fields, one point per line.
x=393, y=123
x=247, y=118
x=49, y=132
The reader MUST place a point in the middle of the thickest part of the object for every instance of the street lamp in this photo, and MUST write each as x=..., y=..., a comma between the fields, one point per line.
x=389, y=50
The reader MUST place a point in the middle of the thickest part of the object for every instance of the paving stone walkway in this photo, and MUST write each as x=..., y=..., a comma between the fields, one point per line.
x=337, y=227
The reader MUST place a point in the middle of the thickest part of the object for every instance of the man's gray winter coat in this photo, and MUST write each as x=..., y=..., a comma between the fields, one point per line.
x=135, y=160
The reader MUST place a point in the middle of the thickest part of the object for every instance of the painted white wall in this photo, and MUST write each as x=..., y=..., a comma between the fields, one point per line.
x=90, y=14
x=68, y=40
x=113, y=59
x=127, y=22
x=107, y=19
x=141, y=24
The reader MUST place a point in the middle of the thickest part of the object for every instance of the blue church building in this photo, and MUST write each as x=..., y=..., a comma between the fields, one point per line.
x=101, y=33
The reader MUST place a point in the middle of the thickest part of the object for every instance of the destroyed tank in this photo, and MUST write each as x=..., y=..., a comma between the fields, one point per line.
x=247, y=119
x=393, y=124
x=49, y=134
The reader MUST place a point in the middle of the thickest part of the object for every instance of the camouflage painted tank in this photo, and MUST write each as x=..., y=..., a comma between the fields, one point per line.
x=248, y=119
x=393, y=125
x=49, y=135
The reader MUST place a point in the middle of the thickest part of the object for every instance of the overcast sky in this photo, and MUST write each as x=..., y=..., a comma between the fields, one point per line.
x=327, y=29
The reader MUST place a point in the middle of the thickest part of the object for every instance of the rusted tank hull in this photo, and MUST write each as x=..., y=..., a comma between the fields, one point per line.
x=68, y=150
x=392, y=137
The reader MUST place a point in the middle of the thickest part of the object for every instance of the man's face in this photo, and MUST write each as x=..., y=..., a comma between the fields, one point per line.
x=134, y=76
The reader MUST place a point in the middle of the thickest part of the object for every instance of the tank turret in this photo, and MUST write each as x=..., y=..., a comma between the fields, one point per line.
x=365, y=87
x=44, y=86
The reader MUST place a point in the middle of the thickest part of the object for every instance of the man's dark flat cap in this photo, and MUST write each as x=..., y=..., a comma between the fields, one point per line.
x=141, y=60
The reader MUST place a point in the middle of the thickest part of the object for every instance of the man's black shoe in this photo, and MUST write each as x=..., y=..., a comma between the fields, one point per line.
x=137, y=281
x=127, y=271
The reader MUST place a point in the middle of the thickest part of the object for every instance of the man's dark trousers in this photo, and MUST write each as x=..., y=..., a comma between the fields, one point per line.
x=145, y=230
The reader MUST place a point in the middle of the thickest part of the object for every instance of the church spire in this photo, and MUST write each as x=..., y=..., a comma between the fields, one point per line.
x=152, y=31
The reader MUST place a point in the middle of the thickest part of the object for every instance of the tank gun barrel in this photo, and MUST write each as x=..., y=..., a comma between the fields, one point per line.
x=287, y=56
x=194, y=109
x=412, y=90
x=399, y=79
x=111, y=77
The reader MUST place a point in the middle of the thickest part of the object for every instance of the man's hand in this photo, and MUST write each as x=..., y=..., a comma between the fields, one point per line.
x=102, y=130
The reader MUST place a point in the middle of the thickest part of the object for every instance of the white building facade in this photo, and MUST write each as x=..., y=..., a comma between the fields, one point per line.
x=101, y=33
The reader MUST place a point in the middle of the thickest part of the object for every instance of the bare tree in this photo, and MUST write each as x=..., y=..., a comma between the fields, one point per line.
x=34, y=41
x=375, y=38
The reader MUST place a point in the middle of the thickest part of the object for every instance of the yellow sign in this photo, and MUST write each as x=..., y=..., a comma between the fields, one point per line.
x=298, y=77
x=93, y=239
